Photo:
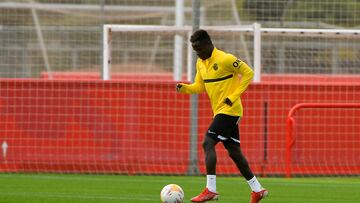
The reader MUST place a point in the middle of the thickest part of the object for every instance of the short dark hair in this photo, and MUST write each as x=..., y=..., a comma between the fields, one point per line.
x=200, y=36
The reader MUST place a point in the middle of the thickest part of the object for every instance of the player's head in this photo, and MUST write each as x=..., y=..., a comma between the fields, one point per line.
x=202, y=44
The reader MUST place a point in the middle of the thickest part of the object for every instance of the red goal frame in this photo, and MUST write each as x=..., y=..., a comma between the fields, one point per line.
x=290, y=138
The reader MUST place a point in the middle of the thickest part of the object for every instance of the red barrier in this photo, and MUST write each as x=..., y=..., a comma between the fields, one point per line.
x=133, y=126
x=93, y=127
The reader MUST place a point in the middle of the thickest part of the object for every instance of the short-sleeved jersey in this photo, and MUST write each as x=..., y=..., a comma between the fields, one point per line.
x=219, y=77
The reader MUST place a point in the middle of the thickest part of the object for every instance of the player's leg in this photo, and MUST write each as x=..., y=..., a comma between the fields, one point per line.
x=210, y=162
x=210, y=155
x=233, y=147
x=239, y=159
x=210, y=141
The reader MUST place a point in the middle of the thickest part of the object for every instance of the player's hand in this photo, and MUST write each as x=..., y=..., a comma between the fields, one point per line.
x=178, y=87
x=228, y=101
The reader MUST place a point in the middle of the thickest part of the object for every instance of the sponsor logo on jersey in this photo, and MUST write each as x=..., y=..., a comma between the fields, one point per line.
x=236, y=63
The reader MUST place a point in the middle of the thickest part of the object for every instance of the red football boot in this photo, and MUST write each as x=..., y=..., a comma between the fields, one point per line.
x=257, y=196
x=206, y=195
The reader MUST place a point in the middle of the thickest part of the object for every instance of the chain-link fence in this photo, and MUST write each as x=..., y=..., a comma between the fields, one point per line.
x=63, y=35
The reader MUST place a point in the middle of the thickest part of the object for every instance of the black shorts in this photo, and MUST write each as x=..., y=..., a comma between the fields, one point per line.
x=224, y=128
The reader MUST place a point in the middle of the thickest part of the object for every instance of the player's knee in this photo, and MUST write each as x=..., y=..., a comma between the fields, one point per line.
x=207, y=145
x=237, y=156
x=233, y=150
x=234, y=154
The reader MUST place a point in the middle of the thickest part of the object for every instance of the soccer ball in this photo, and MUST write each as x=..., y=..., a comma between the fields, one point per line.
x=172, y=193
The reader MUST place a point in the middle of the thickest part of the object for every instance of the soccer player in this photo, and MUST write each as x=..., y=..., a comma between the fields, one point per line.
x=217, y=74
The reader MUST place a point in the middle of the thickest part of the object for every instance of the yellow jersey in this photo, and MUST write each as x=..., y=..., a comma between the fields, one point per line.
x=219, y=77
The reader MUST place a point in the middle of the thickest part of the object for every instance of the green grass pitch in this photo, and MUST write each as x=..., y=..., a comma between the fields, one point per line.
x=49, y=188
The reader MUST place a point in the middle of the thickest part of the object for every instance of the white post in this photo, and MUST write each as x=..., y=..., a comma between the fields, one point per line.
x=41, y=40
x=189, y=58
x=257, y=52
x=106, y=52
x=178, y=41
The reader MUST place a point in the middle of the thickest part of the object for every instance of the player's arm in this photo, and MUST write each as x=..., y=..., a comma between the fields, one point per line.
x=194, y=88
x=239, y=67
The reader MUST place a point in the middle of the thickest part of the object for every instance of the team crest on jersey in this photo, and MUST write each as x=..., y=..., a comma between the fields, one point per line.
x=215, y=66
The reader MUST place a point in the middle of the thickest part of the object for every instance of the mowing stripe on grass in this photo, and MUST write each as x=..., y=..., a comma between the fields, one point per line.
x=69, y=196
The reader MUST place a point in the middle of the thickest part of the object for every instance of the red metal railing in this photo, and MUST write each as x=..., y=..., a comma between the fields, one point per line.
x=290, y=139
